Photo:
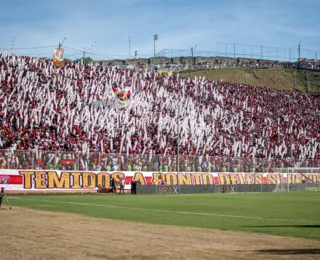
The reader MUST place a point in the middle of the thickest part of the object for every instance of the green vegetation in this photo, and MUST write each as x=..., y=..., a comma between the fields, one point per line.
x=284, y=79
x=86, y=60
x=286, y=214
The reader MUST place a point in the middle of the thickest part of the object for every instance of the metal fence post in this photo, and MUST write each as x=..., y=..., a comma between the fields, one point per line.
x=288, y=179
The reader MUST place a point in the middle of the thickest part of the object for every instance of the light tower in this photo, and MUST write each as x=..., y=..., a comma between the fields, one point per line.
x=155, y=38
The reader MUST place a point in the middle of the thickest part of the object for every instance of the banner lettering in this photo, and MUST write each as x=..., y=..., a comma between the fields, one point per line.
x=90, y=180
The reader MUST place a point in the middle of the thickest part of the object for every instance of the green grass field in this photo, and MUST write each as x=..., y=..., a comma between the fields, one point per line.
x=286, y=214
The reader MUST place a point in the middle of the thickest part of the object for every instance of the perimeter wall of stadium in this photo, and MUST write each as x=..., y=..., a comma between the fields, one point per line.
x=48, y=171
x=56, y=181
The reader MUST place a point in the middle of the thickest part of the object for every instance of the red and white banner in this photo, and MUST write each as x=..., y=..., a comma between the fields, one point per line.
x=80, y=181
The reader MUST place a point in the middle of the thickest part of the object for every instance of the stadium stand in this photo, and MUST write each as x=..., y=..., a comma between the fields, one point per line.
x=70, y=118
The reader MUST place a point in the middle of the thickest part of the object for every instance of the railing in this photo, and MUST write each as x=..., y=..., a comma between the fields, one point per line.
x=220, y=63
x=51, y=160
x=256, y=65
x=233, y=50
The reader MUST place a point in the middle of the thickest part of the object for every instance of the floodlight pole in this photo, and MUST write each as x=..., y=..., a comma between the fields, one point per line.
x=155, y=38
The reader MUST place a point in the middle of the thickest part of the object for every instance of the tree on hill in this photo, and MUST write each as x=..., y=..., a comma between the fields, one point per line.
x=87, y=60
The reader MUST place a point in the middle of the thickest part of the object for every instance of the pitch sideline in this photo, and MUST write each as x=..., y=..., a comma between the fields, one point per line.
x=169, y=211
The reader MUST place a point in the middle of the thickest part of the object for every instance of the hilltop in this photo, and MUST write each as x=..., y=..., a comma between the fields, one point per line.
x=283, y=79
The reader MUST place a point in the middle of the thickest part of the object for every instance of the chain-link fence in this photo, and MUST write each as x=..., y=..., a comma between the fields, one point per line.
x=51, y=160
x=233, y=50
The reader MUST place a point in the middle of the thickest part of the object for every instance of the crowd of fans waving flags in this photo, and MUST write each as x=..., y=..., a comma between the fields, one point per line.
x=90, y=108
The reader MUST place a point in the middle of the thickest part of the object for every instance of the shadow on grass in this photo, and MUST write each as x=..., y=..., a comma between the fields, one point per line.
x=283, y=226
x=311, y=251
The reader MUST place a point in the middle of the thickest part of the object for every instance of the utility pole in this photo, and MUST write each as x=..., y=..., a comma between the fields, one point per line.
x=299, y=50
x=12, y=44
x=60, y=44
x=84, y=53
x=192, y=53
x=129, y=47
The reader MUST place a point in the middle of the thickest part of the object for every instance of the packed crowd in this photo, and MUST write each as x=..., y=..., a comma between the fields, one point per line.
x=71, y=117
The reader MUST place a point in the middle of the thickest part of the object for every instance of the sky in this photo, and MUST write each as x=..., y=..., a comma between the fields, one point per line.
x=103, y=27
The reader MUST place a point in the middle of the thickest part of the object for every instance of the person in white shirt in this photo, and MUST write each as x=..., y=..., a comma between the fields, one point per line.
x=122, y=184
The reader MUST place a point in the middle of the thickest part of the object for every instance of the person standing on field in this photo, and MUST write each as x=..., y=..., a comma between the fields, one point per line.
x=1, y=196
x=134, y=187
x=122, y=184
x=113, y=186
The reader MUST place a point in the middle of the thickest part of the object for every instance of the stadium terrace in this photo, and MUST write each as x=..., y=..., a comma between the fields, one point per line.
x=72, y=117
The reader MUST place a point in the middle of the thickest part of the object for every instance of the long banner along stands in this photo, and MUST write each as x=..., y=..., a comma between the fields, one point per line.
x=50, y=181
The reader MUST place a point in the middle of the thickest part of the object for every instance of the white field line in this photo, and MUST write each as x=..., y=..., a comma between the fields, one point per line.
x=168, y=211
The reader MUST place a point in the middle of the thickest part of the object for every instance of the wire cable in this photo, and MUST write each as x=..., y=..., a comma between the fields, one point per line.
x=33, y=48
